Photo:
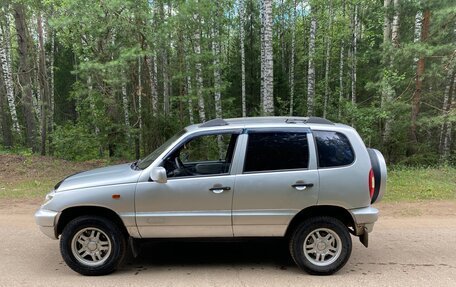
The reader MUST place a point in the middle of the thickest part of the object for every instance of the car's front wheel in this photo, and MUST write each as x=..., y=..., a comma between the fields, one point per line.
x=321, y=245
x=92, y=245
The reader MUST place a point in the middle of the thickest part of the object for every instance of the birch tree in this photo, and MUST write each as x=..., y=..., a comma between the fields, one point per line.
x=292, y=59
x=242, y=51
x=199, y=72
x=6, y=65
x=267, y=60
x=327, y=60
x=311, y=66
x=341, y=67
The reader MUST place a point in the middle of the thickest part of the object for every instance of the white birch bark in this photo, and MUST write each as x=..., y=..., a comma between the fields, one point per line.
x=189, y=95
x=417, y=33
x=217, y=78
x=311, y=67
x=262, y=58
x=341, y=68
x=395, y=25
x=292, y=59
x=165, y=81
x=199, y=76
x=5, y=60
x=139, y=97
x=446, y=106
x=151, y=65
x=354, y=59
x=125, y=104
x=386, y=87
x=446, y=148
x=241, y=36
x=327, y=61
x=268, y=72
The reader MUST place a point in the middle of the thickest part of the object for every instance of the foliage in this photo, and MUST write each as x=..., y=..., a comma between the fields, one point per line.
x=125, y=72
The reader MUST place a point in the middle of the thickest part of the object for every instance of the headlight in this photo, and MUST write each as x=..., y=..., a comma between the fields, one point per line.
x=49, y=196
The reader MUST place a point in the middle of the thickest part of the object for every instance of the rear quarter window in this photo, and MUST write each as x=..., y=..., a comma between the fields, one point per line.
x=334, y=149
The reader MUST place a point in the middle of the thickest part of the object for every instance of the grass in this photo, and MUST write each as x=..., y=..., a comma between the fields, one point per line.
x=24, y=176
x=27, y=176
x=414, y=184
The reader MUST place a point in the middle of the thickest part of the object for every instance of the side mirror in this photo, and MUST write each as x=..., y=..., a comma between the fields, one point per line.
x=158, y=174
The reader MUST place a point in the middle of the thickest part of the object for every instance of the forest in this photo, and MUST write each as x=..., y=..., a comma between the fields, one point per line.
x=83, y=79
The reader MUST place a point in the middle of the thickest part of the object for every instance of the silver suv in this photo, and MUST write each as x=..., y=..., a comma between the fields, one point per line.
x=304, y=179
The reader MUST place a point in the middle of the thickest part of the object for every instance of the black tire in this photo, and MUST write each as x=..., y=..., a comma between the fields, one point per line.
x=112, y=231
x=304, y=230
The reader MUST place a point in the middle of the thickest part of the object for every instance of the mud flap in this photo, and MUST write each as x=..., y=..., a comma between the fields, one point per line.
x=364, y=238
x=133, y=246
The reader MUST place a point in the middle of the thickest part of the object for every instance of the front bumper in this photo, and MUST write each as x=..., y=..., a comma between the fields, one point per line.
x=364, y=219
x=46, y=220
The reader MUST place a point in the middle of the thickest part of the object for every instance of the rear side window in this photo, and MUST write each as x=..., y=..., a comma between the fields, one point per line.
x=276, y=151
x=334, y=149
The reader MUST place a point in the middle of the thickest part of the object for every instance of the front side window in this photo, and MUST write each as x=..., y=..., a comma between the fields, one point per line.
x=202, y=155
x=267, y=151
x=334, y=149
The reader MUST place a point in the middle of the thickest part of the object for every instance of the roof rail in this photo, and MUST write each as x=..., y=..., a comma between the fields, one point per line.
x=309, y=120
x=214, y=123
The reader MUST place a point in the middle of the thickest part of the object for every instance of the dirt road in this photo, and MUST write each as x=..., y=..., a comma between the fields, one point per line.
x=412, y=245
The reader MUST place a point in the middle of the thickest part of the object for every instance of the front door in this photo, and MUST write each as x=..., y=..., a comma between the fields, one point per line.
x=197, y=199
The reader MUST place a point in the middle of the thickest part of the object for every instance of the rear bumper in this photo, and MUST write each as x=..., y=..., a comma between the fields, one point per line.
x=46, y=220
x=364, y=219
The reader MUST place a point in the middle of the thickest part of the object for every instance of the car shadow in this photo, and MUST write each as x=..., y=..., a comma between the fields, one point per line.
x=261, y=253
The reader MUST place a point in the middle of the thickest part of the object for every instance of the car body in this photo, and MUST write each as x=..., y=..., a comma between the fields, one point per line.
x=274, y=177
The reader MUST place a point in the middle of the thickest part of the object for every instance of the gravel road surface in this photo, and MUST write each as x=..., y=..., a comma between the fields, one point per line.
x=412, y=245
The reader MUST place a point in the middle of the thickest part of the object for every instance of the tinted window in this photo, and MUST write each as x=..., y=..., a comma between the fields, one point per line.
x=334, y=149
x=276, y=150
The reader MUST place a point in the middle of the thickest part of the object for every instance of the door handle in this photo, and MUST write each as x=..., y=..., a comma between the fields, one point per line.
x=302, y=185
x=219, y=189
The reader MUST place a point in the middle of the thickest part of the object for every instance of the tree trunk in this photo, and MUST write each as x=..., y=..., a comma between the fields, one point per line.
x=446, y=105
x=354, y=54
x=292, y=59
x=24, y=75
x=217, y=78
x=151, y=67
x=446, y=145
x=5, y=122
x=189, y=95
x=44, y=85
x=328, y=61
x=416, y=98
x=386, y=85
x=199, y=77
x=7, y=73
x=267, y=63
x=395, y=26
x=241, y=36
x=311, y=67
x=51, y=36
x=262, y=54
x=341, y=68
x=125, y=105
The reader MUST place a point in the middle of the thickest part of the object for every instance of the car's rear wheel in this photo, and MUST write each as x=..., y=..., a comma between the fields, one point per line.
x=321, y=245
x=92, y=245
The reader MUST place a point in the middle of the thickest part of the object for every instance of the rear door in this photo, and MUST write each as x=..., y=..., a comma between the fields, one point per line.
x=277, y=178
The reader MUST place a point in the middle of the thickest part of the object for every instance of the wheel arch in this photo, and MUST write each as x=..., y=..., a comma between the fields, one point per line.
x=337, y=212
x=71, y=213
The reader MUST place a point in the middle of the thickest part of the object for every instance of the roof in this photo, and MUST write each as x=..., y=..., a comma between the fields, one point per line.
x=255, y=122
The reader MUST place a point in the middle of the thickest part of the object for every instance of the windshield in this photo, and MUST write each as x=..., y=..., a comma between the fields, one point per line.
x=153, y=156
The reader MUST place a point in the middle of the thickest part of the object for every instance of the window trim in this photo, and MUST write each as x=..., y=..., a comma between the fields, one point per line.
x=305, y=131
x=318, y=154
x=198, y=134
